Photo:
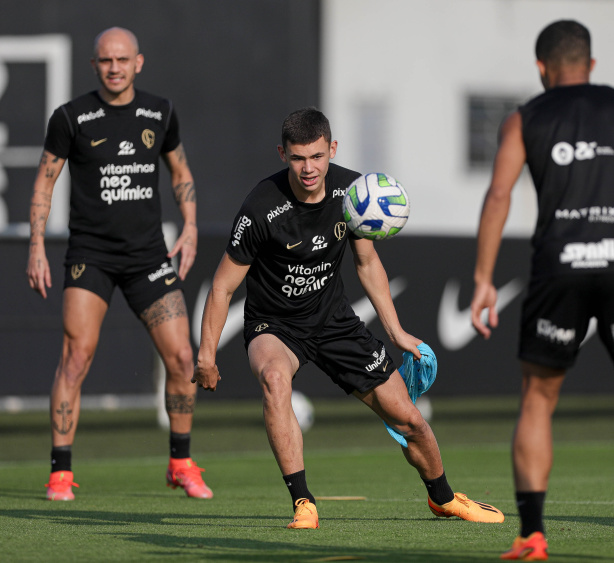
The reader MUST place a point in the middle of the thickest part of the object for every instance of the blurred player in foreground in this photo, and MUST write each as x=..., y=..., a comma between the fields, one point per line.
x=566, y=136
x=113, y=139
x=288, y=240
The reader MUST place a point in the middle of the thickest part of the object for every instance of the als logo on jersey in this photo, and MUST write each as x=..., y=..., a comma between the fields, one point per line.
x=319, y=242
x=126, y=148
x=148, y=137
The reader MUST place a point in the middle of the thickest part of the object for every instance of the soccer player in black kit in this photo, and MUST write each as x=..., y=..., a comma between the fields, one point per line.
x=288, y=240
x=113, y=139
x=566, y=136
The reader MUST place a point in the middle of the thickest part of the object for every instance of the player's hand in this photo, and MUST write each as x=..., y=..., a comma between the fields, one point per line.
x=409, y=343
x=484, y=297
x=186, y=245
x=38, y=272
x=206, y=378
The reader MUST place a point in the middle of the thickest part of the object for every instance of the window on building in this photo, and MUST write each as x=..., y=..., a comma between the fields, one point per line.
x=485, y=115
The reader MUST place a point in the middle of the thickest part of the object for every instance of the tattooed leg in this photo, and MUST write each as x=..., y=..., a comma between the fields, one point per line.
x=83, y=313
x=167, y=322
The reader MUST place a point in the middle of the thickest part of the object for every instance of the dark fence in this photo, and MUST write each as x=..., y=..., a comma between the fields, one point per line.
x=431, y=278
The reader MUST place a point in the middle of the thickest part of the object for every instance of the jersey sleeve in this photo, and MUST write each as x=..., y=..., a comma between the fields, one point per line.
x=60, y=133
x=171, y=139
x=247, y=236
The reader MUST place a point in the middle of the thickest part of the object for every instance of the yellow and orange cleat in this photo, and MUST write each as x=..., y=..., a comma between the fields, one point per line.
x=467, y=509
x=186, y=474
x=305, y=515
x=60, y=486
x=533, y=548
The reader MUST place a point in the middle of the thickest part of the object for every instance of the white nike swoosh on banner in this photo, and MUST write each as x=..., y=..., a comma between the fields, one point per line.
x=454, y=326
x=365, y=310
x=234, y=322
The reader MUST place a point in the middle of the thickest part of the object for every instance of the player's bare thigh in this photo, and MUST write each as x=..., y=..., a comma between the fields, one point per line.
x=168, y=308
x=391, y=402
x=83, y=312
x=270, y=358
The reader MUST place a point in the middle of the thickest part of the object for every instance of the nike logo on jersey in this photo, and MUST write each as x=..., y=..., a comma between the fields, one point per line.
x=454, y=326
x=291, y=246
x=96, y=143
x=171, y=281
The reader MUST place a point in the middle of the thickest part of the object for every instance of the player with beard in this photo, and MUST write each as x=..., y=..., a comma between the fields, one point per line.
x=113, y=139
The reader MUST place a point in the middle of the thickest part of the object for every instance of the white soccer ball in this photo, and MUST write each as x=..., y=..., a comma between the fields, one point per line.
x=424, y=406
x=375, y=206
x=303, y=409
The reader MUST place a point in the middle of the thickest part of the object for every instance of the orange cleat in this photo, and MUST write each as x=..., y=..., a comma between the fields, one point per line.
x=467, y=509
x=60, y=486
x=305, y=515
x=533, y=548
x=186, y=474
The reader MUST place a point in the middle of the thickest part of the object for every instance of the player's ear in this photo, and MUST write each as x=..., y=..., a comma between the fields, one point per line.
x=592, y=65
x=541, y=67
x=282, y=153
x=333, y=149
x=140, y=61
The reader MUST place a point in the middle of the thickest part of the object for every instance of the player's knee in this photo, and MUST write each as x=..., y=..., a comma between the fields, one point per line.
x=275, y=383
x=180, y=361
x=75, y=362
x=412, y=426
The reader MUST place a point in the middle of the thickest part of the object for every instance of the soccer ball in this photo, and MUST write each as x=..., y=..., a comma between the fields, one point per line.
x=375, y=206
x=303, y=409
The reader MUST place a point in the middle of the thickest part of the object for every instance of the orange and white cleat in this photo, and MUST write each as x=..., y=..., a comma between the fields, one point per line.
x=60, y=486
x=533, y=548
x=305, y=515
x=467, y=509
x=186, y=474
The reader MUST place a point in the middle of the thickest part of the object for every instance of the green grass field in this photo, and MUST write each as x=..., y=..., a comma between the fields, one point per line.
x=124, y=512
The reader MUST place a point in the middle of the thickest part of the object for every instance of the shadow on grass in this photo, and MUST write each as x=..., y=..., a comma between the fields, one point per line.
x=294, y=546
x=244, y=549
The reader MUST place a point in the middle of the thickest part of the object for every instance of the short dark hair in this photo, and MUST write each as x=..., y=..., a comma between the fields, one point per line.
x=564, y=42
x=305, y=126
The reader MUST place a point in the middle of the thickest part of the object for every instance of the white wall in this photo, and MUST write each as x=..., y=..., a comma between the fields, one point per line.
x=409, y=64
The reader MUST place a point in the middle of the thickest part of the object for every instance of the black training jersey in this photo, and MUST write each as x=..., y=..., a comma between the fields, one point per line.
x=294, y=249
x=568, y=133
x=113, y=156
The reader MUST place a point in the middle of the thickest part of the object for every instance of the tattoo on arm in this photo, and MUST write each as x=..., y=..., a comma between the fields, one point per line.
x=180, y=404
x=180, y=152
x=171, y=306
x=183, y=192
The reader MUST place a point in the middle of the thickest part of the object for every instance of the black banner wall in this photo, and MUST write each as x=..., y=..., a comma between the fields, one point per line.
x=431, y=281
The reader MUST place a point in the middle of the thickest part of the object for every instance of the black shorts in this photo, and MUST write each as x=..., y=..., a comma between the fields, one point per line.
x=344, y=349
x=556, y=314
x=141, y=288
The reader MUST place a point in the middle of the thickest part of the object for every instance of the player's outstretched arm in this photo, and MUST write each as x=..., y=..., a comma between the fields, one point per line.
x=374, y=281
x=508, y=165
x=185, y=197
x=38, y=272
x=228, y=277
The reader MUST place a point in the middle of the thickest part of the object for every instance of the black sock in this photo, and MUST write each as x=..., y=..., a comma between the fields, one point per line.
x=531, y=510
x=61, y=458
x=297, y=485
x=439, y=489
x=180, y=445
